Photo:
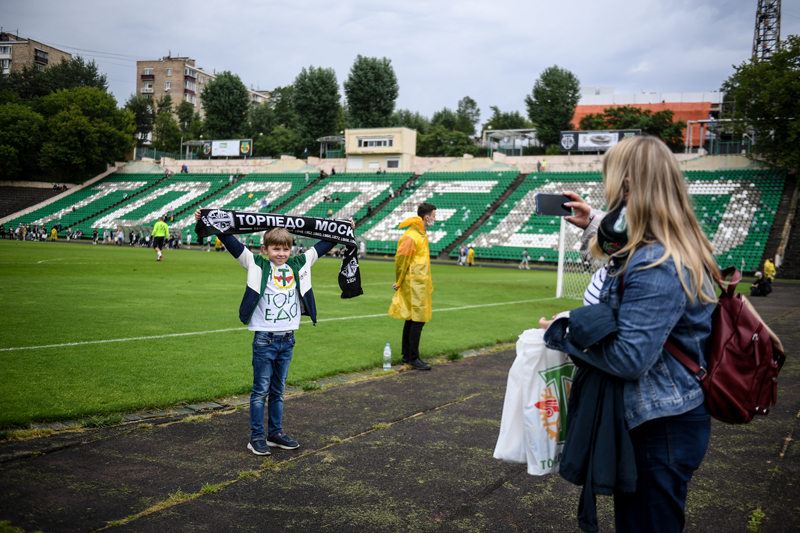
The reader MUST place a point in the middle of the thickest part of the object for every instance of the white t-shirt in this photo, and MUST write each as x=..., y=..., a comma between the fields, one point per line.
x=592, y=294
x=279, y=307
x=188, y=238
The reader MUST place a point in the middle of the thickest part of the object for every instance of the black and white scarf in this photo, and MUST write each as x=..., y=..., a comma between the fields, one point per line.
x=228, y=222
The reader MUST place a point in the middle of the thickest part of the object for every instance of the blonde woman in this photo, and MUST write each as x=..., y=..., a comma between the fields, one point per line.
x=658, y=286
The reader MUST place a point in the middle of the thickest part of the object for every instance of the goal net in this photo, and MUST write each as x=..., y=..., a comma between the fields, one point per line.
x=574, y=273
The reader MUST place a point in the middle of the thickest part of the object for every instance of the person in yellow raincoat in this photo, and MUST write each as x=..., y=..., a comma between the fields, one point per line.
x=471, y=256
x=412, y=301
x=769, y=269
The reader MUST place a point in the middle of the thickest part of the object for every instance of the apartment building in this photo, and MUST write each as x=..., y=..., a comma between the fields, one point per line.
x=17, y=52
x=182, y=79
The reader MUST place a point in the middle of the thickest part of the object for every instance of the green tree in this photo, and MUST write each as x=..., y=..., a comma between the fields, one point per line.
x=282, y=140
x=467, y=115
x=411, y=119
x=196, y=130
x=445, y=118
x=371, y=90
x=85, y=131
x=764, y=101
x=164, y=104
x=509, y=120
x=316, y=102
x=226, y=102
x=441, y=142
x=143, y=116
x=551, y=105
x=593, y=122
x=22, y=132
x=282, y=99
x=262, y=119
x=659, y=124
x=185, y=114
x=30, y=82
x=166, y=134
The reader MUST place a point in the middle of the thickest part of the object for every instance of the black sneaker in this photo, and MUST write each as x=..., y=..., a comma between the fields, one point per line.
x=419, y=364
x=283, y=441
x=259, y=447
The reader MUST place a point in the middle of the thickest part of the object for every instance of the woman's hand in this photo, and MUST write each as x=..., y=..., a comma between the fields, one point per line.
x=580, y=207
x=197, y=213
x=544, y=323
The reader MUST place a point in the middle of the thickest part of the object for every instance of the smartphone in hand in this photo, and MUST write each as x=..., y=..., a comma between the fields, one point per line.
x=552, y=205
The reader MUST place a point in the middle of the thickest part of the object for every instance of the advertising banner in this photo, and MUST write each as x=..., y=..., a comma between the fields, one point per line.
x=225, y=148
x=593, y=141
x=231, y=148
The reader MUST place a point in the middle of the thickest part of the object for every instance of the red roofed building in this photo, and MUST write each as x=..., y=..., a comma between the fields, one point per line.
x=685, y=106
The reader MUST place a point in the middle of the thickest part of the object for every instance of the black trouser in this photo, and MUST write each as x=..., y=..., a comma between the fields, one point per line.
x=411, y=334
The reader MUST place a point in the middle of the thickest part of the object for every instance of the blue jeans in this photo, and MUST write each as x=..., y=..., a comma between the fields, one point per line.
x=668, y=450
x=271, y=357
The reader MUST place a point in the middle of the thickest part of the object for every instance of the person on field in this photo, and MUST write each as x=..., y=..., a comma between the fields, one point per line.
x=525, y=258
x=769, y=270
x=160, y=233
x=413, y=284
x=273, y=315
x=761, y=286
x=471, y=256
x=53, y=234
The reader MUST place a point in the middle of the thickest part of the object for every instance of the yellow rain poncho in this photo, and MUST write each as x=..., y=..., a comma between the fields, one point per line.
x=769, y=270
x=412, y=301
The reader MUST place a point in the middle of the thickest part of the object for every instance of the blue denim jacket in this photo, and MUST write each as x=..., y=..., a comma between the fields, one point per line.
x=654, y=307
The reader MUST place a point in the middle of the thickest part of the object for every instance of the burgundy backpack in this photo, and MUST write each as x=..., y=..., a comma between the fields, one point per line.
x=743, y=359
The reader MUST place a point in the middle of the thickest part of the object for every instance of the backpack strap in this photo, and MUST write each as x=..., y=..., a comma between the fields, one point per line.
x=700, y=373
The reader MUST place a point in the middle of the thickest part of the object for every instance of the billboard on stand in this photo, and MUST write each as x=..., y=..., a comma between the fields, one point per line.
x=593, y=141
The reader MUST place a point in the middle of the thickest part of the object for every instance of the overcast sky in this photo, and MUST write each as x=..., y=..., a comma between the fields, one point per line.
x=441, y=50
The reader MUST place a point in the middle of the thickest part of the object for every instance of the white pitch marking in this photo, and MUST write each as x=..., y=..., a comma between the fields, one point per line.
x=238, y=329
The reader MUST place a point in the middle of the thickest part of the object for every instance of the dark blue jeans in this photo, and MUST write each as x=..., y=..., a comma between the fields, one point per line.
x=271, y=357
x=668, y=451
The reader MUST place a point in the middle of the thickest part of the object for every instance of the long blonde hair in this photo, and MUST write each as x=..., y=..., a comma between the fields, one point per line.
x=658, y=209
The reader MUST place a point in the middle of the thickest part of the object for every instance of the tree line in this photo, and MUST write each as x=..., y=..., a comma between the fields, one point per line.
x=296, y=115
x=60, y=124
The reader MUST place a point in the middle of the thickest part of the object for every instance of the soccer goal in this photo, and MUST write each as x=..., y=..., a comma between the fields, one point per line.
x=574, y=273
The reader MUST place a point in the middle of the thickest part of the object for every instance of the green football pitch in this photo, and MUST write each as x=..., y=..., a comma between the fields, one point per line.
x=95, y=330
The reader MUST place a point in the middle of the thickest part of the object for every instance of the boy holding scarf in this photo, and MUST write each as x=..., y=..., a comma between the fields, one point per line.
x=278, y=292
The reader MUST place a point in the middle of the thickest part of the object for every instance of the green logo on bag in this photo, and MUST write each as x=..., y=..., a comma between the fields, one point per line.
x=558, y=381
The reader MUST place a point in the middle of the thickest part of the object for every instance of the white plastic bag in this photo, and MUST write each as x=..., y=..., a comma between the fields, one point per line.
x=533, y=425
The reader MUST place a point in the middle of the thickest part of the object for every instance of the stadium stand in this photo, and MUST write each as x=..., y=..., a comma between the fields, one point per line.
x=735, y=207
x=14, y=199
x=356, y=191
x=246, y=195
x=86, y=203
x=460, y=198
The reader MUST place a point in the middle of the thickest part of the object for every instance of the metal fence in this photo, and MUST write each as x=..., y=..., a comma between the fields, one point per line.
x=157, y=154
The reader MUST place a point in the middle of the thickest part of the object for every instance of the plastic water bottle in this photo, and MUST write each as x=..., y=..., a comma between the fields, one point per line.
x=387, y=357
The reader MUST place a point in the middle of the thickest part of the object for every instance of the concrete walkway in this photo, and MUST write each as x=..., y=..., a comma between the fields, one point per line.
x=411, y=451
